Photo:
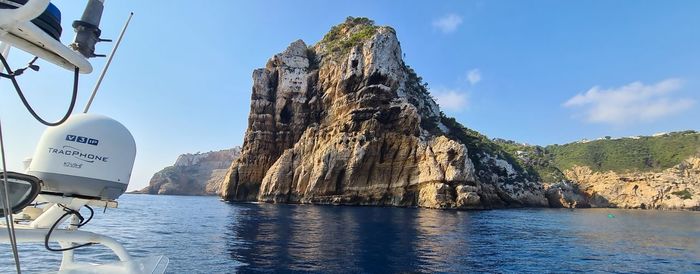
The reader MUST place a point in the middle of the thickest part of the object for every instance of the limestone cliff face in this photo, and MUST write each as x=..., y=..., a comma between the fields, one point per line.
x=193, y=174
x=348, y=122
x=674, y=188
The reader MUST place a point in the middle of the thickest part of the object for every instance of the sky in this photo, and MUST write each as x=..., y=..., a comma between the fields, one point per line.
x=538, y=72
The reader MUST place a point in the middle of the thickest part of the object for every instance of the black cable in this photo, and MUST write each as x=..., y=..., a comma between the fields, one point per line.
x=10, y=75
x=92, y=213
x=82, y=222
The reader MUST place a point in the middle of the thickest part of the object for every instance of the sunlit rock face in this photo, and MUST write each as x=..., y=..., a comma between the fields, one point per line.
x=193, y=174
x=346, y=121
x=674, y=188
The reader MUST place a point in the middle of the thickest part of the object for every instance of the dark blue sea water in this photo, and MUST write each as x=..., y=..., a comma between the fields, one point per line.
x=204, y=235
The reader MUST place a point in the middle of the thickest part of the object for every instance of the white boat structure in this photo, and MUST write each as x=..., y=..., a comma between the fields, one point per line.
x=82, y=161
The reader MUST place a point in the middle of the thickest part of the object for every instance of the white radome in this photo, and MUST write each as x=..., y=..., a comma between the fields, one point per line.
x=89, y=155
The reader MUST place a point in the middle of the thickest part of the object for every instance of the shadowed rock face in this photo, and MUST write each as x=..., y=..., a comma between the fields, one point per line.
x=347, y=122
x=193, y=174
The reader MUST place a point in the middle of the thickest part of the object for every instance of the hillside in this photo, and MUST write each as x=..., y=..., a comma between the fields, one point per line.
x=660, y=172
x=193, y=174
x=640, y=154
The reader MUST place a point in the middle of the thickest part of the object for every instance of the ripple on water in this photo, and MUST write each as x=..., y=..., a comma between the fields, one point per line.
x=204, y=235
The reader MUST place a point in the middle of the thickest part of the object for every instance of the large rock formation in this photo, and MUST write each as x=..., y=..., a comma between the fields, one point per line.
x=674, y=188
x=193, y=174
x=348, y=122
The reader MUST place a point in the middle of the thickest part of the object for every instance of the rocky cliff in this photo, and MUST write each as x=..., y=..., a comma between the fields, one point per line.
x=346, y=121
x=645, y=172
x=674, y=188
x=193, y=174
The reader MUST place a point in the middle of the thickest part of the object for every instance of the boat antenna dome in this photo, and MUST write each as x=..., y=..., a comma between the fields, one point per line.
x=89, y=156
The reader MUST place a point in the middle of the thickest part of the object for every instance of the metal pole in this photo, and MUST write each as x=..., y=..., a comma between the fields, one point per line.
x=87, y=29
x=109, y=61
x=7, y=210
x=5, y=51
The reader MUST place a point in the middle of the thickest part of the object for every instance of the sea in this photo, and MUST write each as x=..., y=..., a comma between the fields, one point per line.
x=206, y=235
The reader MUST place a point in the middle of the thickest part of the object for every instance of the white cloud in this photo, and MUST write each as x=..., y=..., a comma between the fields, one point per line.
x=451, y=99
x=448, y=23
x=634, y=102
x=474, y=76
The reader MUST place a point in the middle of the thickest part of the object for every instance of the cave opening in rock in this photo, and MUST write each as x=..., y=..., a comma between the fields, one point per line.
x=286, y=115
x=339, y=182
x=376, y=78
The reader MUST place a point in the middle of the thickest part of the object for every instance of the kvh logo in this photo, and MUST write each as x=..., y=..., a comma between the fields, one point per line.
x=82, y=140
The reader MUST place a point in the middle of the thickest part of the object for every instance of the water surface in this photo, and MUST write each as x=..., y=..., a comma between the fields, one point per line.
x=204, y=235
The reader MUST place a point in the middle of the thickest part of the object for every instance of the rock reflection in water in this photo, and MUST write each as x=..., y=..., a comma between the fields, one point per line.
x=204, y=235
x=267, y=237
x=332, y=239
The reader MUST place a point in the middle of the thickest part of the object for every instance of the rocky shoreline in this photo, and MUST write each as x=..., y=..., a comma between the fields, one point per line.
x=671, y=189
x=193, y=174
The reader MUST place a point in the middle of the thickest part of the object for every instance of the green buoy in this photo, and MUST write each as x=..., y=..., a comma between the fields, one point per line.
x=611, y=216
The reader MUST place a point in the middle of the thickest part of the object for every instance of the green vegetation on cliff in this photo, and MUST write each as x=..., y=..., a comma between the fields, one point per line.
x=638, y=154
x=480, y=147
x=642, y=153
x=684, y=194
x=537, y=160
x=341, y=38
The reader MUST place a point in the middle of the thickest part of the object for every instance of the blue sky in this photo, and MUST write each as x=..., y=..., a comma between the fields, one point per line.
x=539, y=72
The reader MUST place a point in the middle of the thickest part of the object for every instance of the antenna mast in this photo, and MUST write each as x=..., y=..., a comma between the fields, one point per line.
x=109, y=61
